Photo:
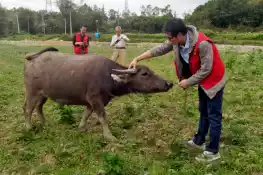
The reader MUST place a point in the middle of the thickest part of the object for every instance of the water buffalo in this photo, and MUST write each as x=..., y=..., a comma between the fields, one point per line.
x=88, y=80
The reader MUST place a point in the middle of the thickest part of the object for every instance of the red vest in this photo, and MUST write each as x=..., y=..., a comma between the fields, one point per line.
x=218, y=68
x=81, y=49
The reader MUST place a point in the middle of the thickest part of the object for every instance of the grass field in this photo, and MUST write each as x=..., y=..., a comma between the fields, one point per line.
x=151, y=129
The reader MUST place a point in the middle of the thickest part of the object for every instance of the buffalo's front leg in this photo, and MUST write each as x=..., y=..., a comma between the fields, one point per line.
x=83, y=123
x=106, y=131
x=100, y=111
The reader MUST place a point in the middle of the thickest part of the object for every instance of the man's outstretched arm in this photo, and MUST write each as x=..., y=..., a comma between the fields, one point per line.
x=154, y=52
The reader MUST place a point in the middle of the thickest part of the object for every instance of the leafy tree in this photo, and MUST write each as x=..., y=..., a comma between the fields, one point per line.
x=3, y=22
x=236, y=14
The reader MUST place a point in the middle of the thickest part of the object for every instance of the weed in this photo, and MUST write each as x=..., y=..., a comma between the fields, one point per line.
x=66, y=115
x=113, y=164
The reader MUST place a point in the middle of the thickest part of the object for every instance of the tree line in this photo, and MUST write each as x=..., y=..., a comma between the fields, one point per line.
x=150, y=20
x=243, y=14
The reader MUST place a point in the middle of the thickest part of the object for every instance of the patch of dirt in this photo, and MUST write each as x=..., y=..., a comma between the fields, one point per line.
x=57, y=43
x=2, y=62
x=239, y=48
x=236, y=48
x=48, y=159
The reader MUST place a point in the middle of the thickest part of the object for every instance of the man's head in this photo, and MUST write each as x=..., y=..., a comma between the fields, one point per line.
x=83, y=29
x=118, y=30
x=175, y=30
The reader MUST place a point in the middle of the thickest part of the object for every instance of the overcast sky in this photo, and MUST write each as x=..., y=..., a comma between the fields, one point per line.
x=180, y=6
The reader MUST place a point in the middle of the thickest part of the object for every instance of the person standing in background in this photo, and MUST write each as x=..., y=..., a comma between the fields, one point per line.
x=119, y=44
x=81, y=41
x=97, y=35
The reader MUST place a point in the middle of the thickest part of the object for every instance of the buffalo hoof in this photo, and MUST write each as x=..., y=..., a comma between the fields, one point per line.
x=83, y=129
x=29, y=126
x=45, y=123
x=110, y=138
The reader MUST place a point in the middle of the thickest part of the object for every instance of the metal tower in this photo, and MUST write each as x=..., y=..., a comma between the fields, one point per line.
x=126, y=6
x=49, y=5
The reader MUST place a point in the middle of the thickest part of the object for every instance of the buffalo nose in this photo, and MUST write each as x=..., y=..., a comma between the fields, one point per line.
x=169, y=84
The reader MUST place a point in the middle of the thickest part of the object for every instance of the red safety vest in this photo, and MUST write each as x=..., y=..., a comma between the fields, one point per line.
x=81, y=49
x=218, y=68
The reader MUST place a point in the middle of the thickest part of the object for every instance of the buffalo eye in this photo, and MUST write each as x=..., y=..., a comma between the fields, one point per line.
x=145, y=74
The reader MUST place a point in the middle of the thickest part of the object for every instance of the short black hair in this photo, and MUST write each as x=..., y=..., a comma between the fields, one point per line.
x=84, y=25
x=175, y=26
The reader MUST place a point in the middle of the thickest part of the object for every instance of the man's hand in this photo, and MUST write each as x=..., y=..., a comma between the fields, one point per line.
x=133, y=63
x=117, y=41
x=183, y=84
x=141, y=57
x=79, y=43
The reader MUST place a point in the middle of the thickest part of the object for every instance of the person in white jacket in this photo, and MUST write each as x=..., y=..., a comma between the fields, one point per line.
x=118, y=41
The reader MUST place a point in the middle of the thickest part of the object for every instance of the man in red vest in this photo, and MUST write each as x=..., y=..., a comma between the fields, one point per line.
x=81, y=41
x=197, y=62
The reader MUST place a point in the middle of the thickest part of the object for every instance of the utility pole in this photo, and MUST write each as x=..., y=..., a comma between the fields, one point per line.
x=28, y=25
x=118, y=18
x=17, y=21
x=43, y=23
x=65, y=25
x=97, y=25
x=70, y=23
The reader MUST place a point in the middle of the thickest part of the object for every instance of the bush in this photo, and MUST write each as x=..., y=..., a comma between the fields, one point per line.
x=113, y=164
x=66, y=114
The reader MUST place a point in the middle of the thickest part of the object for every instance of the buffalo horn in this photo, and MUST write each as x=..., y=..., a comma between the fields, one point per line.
x=126, y=71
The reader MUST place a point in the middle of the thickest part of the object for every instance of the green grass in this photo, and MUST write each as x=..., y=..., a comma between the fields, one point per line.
x=151, y=129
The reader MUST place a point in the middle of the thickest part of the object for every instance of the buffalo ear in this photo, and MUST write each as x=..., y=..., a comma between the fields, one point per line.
x=119, y=78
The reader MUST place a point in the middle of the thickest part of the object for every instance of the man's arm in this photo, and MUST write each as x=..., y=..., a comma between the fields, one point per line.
x=154, y=52
x=113, y=42
x=206, y=57
x=161, y=49
x=76, y=43
x=89, y=38
x=88, y=43
x=74, y=40
x=125, y=38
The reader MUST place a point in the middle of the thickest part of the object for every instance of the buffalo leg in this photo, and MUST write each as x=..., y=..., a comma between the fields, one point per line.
x=39, y=109
x=100, y=111
x=86, y=115
x=28, y=110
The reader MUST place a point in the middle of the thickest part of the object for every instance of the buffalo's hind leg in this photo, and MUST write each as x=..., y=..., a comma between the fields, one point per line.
x=39, y=108
x=29, y=106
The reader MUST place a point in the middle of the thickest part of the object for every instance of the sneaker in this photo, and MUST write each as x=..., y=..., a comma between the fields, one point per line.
x=207, y=157
x=192, y=144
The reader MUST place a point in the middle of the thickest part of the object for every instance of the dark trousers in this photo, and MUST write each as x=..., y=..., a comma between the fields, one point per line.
x=210, y=117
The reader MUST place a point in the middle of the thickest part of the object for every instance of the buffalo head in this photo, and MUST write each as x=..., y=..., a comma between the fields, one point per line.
x=141, y=79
